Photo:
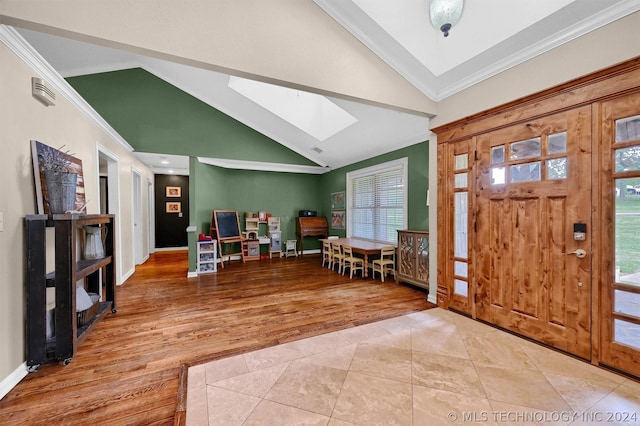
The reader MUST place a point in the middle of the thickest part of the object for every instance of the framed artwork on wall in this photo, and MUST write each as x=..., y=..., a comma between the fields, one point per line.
x=174, y=191
x=337, y=219
x=337, y=200
x=173, y=207
x=42, y=158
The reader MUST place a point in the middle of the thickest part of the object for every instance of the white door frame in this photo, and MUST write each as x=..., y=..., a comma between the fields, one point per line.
x=136, y=212
x=151, y=215
x=113, y=181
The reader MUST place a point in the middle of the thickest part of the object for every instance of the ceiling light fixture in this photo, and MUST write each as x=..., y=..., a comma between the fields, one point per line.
x=445, y=14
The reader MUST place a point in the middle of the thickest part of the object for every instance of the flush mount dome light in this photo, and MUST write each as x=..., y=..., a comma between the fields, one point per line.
x=445, y=14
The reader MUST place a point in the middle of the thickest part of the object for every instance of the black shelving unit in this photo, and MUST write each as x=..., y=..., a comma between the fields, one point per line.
x=69, y=269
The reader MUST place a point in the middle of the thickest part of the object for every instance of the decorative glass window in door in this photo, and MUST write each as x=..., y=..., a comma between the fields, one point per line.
x=535, y=159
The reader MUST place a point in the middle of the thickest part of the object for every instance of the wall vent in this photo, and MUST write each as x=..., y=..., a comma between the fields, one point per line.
x=42, y=92
x=318, y=150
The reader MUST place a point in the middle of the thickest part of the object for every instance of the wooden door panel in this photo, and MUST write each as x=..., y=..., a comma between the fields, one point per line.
x=499, y=267
x=525, y=256
x=525, y=281
x=557, y=224
x=521, y=259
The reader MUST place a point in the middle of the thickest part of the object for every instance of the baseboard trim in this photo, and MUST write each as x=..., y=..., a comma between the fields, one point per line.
x=127, y=275
x=171, y=249
x=10, y=382
x=314, y=251
x=192, y=274
x=432, y=299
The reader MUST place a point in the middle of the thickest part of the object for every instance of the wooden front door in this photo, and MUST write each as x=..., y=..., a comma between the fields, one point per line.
x=533, y=185
x=620, y=282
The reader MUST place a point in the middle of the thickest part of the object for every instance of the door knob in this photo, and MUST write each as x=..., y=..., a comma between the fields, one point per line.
x=580, y=253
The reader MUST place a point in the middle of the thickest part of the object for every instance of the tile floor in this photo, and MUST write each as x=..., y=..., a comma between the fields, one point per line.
x=428, y=368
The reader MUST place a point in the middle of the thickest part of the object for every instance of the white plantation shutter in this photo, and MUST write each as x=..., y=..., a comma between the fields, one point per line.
x=377, y=201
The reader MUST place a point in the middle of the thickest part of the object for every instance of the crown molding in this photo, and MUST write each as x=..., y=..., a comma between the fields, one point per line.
x=18, y=45
x=264, y=167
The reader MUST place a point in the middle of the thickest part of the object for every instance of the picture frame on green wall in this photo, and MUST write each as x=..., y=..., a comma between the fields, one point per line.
x=337, y=219
x=337, y=200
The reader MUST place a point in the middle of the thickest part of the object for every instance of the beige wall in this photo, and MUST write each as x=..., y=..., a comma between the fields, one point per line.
x=23, y=118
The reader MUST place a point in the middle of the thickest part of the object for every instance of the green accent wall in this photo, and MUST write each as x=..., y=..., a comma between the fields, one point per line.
x=284, y=194
x=418, y=175
x=279, y=194
x=154, y=116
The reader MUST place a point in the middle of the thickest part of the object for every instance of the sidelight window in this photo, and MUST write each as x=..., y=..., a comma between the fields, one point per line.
x=461, y=224
x=626, y=296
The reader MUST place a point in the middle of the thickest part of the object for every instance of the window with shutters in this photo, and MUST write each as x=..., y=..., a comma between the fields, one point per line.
x=377, y=201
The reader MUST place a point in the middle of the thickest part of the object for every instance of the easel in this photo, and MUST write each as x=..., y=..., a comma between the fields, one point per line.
x=225, y=228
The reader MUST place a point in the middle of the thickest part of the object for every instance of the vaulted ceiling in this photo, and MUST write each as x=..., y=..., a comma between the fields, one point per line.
x=491, y=36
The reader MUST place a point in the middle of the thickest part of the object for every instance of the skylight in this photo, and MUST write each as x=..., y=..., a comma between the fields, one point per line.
x=313, y=114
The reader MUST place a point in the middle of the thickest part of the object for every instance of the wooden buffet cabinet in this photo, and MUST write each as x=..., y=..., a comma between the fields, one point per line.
x=413, y=258
x=69, y=270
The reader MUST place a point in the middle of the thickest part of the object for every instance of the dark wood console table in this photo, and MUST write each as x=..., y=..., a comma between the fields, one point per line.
x=69, y=269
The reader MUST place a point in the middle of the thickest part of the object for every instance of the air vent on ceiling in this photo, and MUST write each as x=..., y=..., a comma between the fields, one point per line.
x=318, y=150
x=42, y=92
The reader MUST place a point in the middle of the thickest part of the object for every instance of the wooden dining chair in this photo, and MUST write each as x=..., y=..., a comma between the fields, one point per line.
x=351, y=262
x=337, y=258
x=386, y=263
x=326, y=253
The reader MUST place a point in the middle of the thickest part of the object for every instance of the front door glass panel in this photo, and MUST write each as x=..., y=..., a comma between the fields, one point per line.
x=622, y=343
x=627, y=231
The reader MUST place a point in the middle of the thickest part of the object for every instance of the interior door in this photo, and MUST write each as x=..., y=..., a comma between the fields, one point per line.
x=533, y=187
x=620, y=317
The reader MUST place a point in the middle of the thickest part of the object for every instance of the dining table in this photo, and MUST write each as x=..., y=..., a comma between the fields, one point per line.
x=360, y=246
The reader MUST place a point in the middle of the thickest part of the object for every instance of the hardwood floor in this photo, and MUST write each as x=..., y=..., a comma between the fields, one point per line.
x=127, y=370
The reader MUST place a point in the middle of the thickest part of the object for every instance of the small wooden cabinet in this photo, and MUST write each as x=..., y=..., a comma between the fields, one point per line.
x=413, y=257
x=69, y=270
x=207, y=257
